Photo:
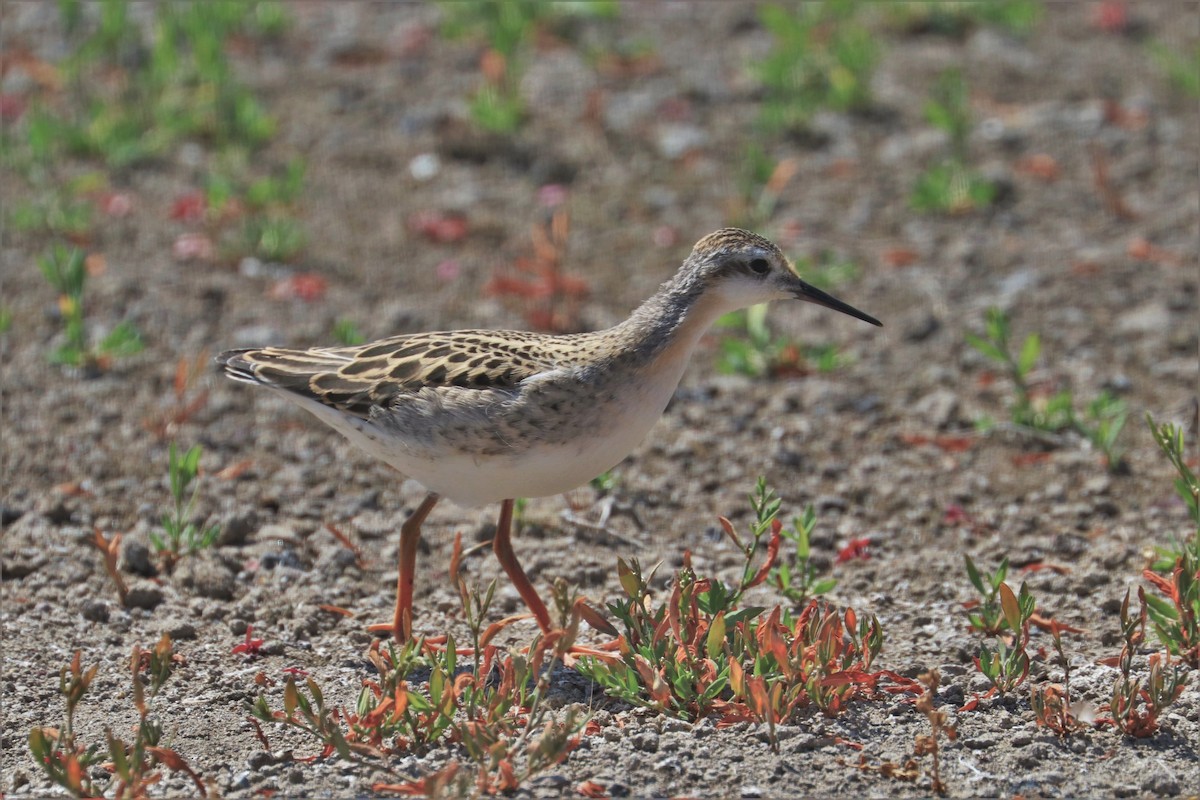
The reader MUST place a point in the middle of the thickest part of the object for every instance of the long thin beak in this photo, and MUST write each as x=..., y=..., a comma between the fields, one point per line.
x=814, y=295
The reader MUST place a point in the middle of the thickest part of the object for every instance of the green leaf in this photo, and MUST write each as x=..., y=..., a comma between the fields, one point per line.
x=1010, y=606
x=974, y=576
x=715, y=641
x=987, y=348
x=1030, y=351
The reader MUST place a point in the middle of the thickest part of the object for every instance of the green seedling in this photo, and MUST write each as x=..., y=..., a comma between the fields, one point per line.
x=1170, y=439
x=507, y=28
x=605, y=482
x=135, y=766
x=265, y=208
x=53, y=212
x=67, y=273
x=956, y=19
x=1007, y=665
x=761, y=181
x=181, y=535
x=497, y=110
x=1103, y=418
x=1136, y=707
x=174, y=84
x=756, y=352
x=797, y=578
x=346, y=332
x=821, y=57
x=988, y=615
x=1182, y=69
x=274, y=238
x=827, y=271
x=6, y=320
x=950, y=186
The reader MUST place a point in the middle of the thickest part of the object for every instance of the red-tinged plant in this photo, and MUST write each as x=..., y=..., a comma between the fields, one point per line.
x=1177, y=623
x=190, y=207
x=939, y=725
x=188, y=396
x=64, y=760
x=1135, y=707
x=1007, y=665
x=250, y=647
x=492, y=710
x=855, y=549
x=110, y=549
x=1052, y=706
x=135, y=766
x=1176, y=619
x=550, y=299
x=439, y=227
x=698, y=654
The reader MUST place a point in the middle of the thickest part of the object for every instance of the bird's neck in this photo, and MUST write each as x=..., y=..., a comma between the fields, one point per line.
x=665, y=329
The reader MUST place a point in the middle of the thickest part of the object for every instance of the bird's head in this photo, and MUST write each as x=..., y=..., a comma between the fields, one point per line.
x=741, y=269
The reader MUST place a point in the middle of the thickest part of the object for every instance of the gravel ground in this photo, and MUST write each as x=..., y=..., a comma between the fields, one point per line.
x=651, y=162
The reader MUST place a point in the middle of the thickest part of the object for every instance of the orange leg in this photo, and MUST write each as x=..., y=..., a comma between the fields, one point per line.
x=410, y=535
x=502, y=547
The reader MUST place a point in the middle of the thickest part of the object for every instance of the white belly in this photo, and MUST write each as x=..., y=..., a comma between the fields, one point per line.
x=538, y=471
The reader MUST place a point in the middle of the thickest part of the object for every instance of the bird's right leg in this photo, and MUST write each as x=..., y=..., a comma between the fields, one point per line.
x=410, y=534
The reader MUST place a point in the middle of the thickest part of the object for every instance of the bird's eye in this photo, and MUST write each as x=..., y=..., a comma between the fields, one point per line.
x=760, y=266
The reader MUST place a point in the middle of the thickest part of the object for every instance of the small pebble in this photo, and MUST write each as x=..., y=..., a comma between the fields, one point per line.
x=180, y=629
x=95, y=610
x=138, y=559
x=143, y=594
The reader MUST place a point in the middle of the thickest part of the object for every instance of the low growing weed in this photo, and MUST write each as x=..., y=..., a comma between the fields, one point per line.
x=181, y=535
x=135, y=766
x=495, y=708
x=956, y=19
x=67, y=272
x=549, y=296
x=1182, y=69
x=796, y=577
x=1101, y=422
x=951, y=186
x=1136, y=706
x=1176, y=615
x=756, y=352
x=1052, y=705
x=697, y=653
x=822, y=57
x=1007, y=664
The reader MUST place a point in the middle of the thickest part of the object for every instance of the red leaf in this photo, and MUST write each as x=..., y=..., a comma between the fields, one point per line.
x=772, y=555
x=900, y=256
x=250, y=647
x=1039, y=165
x=1038, y=566
x=592, y=789
x=1110, y=16
x=856, y=548
x=189, y=207
x=115, y=204
x=12, y=106
x=443, y=228
x=307, y=286
x=1029, y=459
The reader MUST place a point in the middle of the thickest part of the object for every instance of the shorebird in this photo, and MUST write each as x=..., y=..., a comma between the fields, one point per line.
x=481, y=417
